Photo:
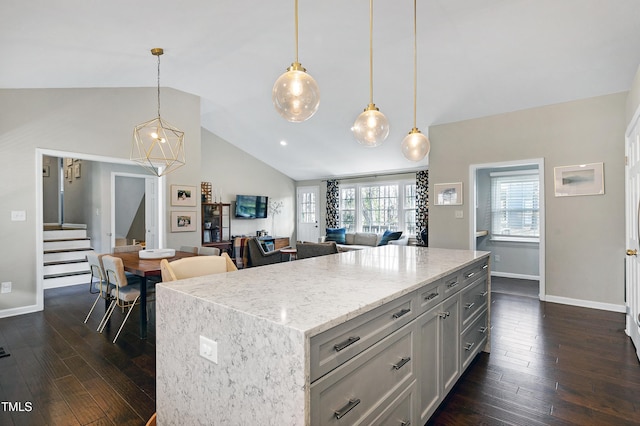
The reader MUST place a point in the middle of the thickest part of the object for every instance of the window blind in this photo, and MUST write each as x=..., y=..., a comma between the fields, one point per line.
x=515, y=209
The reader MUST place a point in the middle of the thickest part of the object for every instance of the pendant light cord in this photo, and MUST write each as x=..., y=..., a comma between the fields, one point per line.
x=158, y=86
x=296, y=20
x=370, y=51
x=415, y=63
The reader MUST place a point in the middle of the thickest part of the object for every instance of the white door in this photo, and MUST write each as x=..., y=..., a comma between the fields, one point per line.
x=151, y=212
x=633, y=237
x=308, y=214
x=126, y=192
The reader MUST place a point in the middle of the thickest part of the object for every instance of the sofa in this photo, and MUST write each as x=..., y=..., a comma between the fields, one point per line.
x=363, y=240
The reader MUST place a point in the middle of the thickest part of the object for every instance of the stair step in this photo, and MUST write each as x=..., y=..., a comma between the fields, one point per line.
x=66, y=244
x=66, y=280
x=70, y=268
x=66, y=255
x=64, y=234
x=64, y=262
x=62, y=275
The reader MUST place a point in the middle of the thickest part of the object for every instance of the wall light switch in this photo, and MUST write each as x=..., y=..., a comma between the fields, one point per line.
x=5, y=287
x=209, y=349
x=18, y=215
x=459, y=214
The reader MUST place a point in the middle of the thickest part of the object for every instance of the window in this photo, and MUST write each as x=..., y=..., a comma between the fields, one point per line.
x=377, y=207
x=515, y=211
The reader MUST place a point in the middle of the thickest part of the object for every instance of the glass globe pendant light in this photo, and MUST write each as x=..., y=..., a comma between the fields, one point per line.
x=371, y=127
x=415, y=146
x=296, y=95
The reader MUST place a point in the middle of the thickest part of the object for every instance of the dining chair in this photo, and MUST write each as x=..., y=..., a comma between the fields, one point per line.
x=126, y=249
x=209, y=251
x=123, y=295
x=190, y=249
x=196, y=266
x=98, y=284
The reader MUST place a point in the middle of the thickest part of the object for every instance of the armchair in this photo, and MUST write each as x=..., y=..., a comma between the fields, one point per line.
x=258, y=256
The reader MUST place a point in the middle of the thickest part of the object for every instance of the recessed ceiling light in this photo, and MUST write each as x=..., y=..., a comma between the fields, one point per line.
x=283, y=143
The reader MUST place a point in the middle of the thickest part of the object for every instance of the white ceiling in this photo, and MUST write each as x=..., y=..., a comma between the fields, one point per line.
x=475, y=58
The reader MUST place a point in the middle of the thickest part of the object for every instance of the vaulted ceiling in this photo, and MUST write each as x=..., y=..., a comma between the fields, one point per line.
x=475, y=58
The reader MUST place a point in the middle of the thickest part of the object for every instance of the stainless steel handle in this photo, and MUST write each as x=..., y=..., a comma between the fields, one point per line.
x=470, y=274
x=444, y=315
x=452, y=284
x=484, y=294
x=483, y=330
x=350, y=341
x=405, y=423
x=468, y=346
x=469, y=305
x=344, y=410
x=401, y=313
x=402, y=362
x=485, y=266
x=432, y=296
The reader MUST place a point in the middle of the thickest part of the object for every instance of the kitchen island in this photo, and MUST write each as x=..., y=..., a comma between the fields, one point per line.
x=352, y=338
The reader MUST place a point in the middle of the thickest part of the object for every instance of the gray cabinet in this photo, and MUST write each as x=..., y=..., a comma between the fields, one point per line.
x=396, y=363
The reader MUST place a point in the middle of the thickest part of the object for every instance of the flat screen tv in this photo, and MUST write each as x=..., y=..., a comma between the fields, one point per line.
x=251, y=206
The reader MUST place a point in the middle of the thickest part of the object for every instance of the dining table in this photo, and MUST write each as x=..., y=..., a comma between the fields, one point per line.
x=144, y=269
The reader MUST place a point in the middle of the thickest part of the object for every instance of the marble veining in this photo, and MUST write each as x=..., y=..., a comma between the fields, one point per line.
x=262, y=319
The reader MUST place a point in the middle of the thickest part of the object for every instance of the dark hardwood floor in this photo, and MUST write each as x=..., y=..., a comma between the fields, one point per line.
x=550, y=365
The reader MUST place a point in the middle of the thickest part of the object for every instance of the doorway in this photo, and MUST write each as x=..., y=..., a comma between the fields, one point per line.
x=308, y=213
x=512, y=258
x=632, y=215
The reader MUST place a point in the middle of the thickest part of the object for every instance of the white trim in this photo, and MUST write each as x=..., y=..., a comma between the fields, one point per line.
x=586, y=304
x=517, y=276
x=12, y=312
x=472, y=211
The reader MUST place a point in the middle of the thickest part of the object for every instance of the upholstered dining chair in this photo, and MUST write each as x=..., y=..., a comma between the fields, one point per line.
x=190, y=249
x=306, y=250
x=124, y=296
x=209, y=251
x=195, y=266
x=98, y=284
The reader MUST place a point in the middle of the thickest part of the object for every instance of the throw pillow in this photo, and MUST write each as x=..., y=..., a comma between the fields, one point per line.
x=389, y=236
x=336, y=234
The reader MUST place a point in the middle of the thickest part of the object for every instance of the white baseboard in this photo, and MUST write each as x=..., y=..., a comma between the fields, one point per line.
x=6, y=313
x=585, y=303
x=517, y=276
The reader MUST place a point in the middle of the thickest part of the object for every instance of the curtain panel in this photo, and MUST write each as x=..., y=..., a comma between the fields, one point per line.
x=422, y=206
x=333, y=204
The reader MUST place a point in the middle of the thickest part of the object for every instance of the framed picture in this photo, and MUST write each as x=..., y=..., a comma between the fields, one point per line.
x=583, y=179
x=183, y=195
x=69, y=174
x=448, y=194
x=76, y=170
x=45, y=171
x=183, y=221
x=68, y=161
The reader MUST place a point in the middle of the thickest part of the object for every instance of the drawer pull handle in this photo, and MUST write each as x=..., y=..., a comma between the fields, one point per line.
x=469, y=305
x=485, y=266
x=401, y=313
x=484, y=294
x=444, y=315
x=432, y=296
x=402, y=362
x=452, y=284
x=469, y=346
x=344, y=410
x=405, y=423
x=348, y=342
x=470, y=274
x=483, y=330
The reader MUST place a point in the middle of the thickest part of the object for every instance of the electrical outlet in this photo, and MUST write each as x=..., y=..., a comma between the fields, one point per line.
x=6, y=287
x=459, y=214
x=209, y=349
x=18, y=215
x=497, y=258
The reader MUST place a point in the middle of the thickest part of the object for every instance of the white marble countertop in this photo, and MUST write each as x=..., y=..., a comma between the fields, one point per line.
x=313, y=295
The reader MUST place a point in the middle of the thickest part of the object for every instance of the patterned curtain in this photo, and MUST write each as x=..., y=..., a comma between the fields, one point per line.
x=422, y=207
x=333, y=204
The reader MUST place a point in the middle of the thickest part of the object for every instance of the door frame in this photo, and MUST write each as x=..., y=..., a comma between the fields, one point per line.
x=308, y=188
x=473, y=169
x=39, y=219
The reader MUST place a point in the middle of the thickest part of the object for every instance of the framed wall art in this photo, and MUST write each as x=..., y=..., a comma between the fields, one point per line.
x=448, y=194
x=183, y=221
x=583, y=179
x=183, y=195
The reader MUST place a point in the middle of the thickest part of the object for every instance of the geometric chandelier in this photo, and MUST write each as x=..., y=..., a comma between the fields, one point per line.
x=157, y=145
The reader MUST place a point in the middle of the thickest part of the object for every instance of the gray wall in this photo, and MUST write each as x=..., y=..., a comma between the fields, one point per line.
x=585, y=236
x=50, y=190
x=85, y=121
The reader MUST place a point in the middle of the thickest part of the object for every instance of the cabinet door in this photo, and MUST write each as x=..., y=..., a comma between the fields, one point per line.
x=429, y=381
x=450, y=342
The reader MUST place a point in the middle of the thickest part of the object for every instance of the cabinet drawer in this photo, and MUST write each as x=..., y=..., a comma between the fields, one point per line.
x=430, y=296
x=400, y=412
x=451, y=284
x=349, y=393
x=330, y=349
x=472, y=272
x=474, y=299
x=473, y=339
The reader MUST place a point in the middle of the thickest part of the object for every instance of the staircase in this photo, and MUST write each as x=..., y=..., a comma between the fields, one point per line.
x=65, y=251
